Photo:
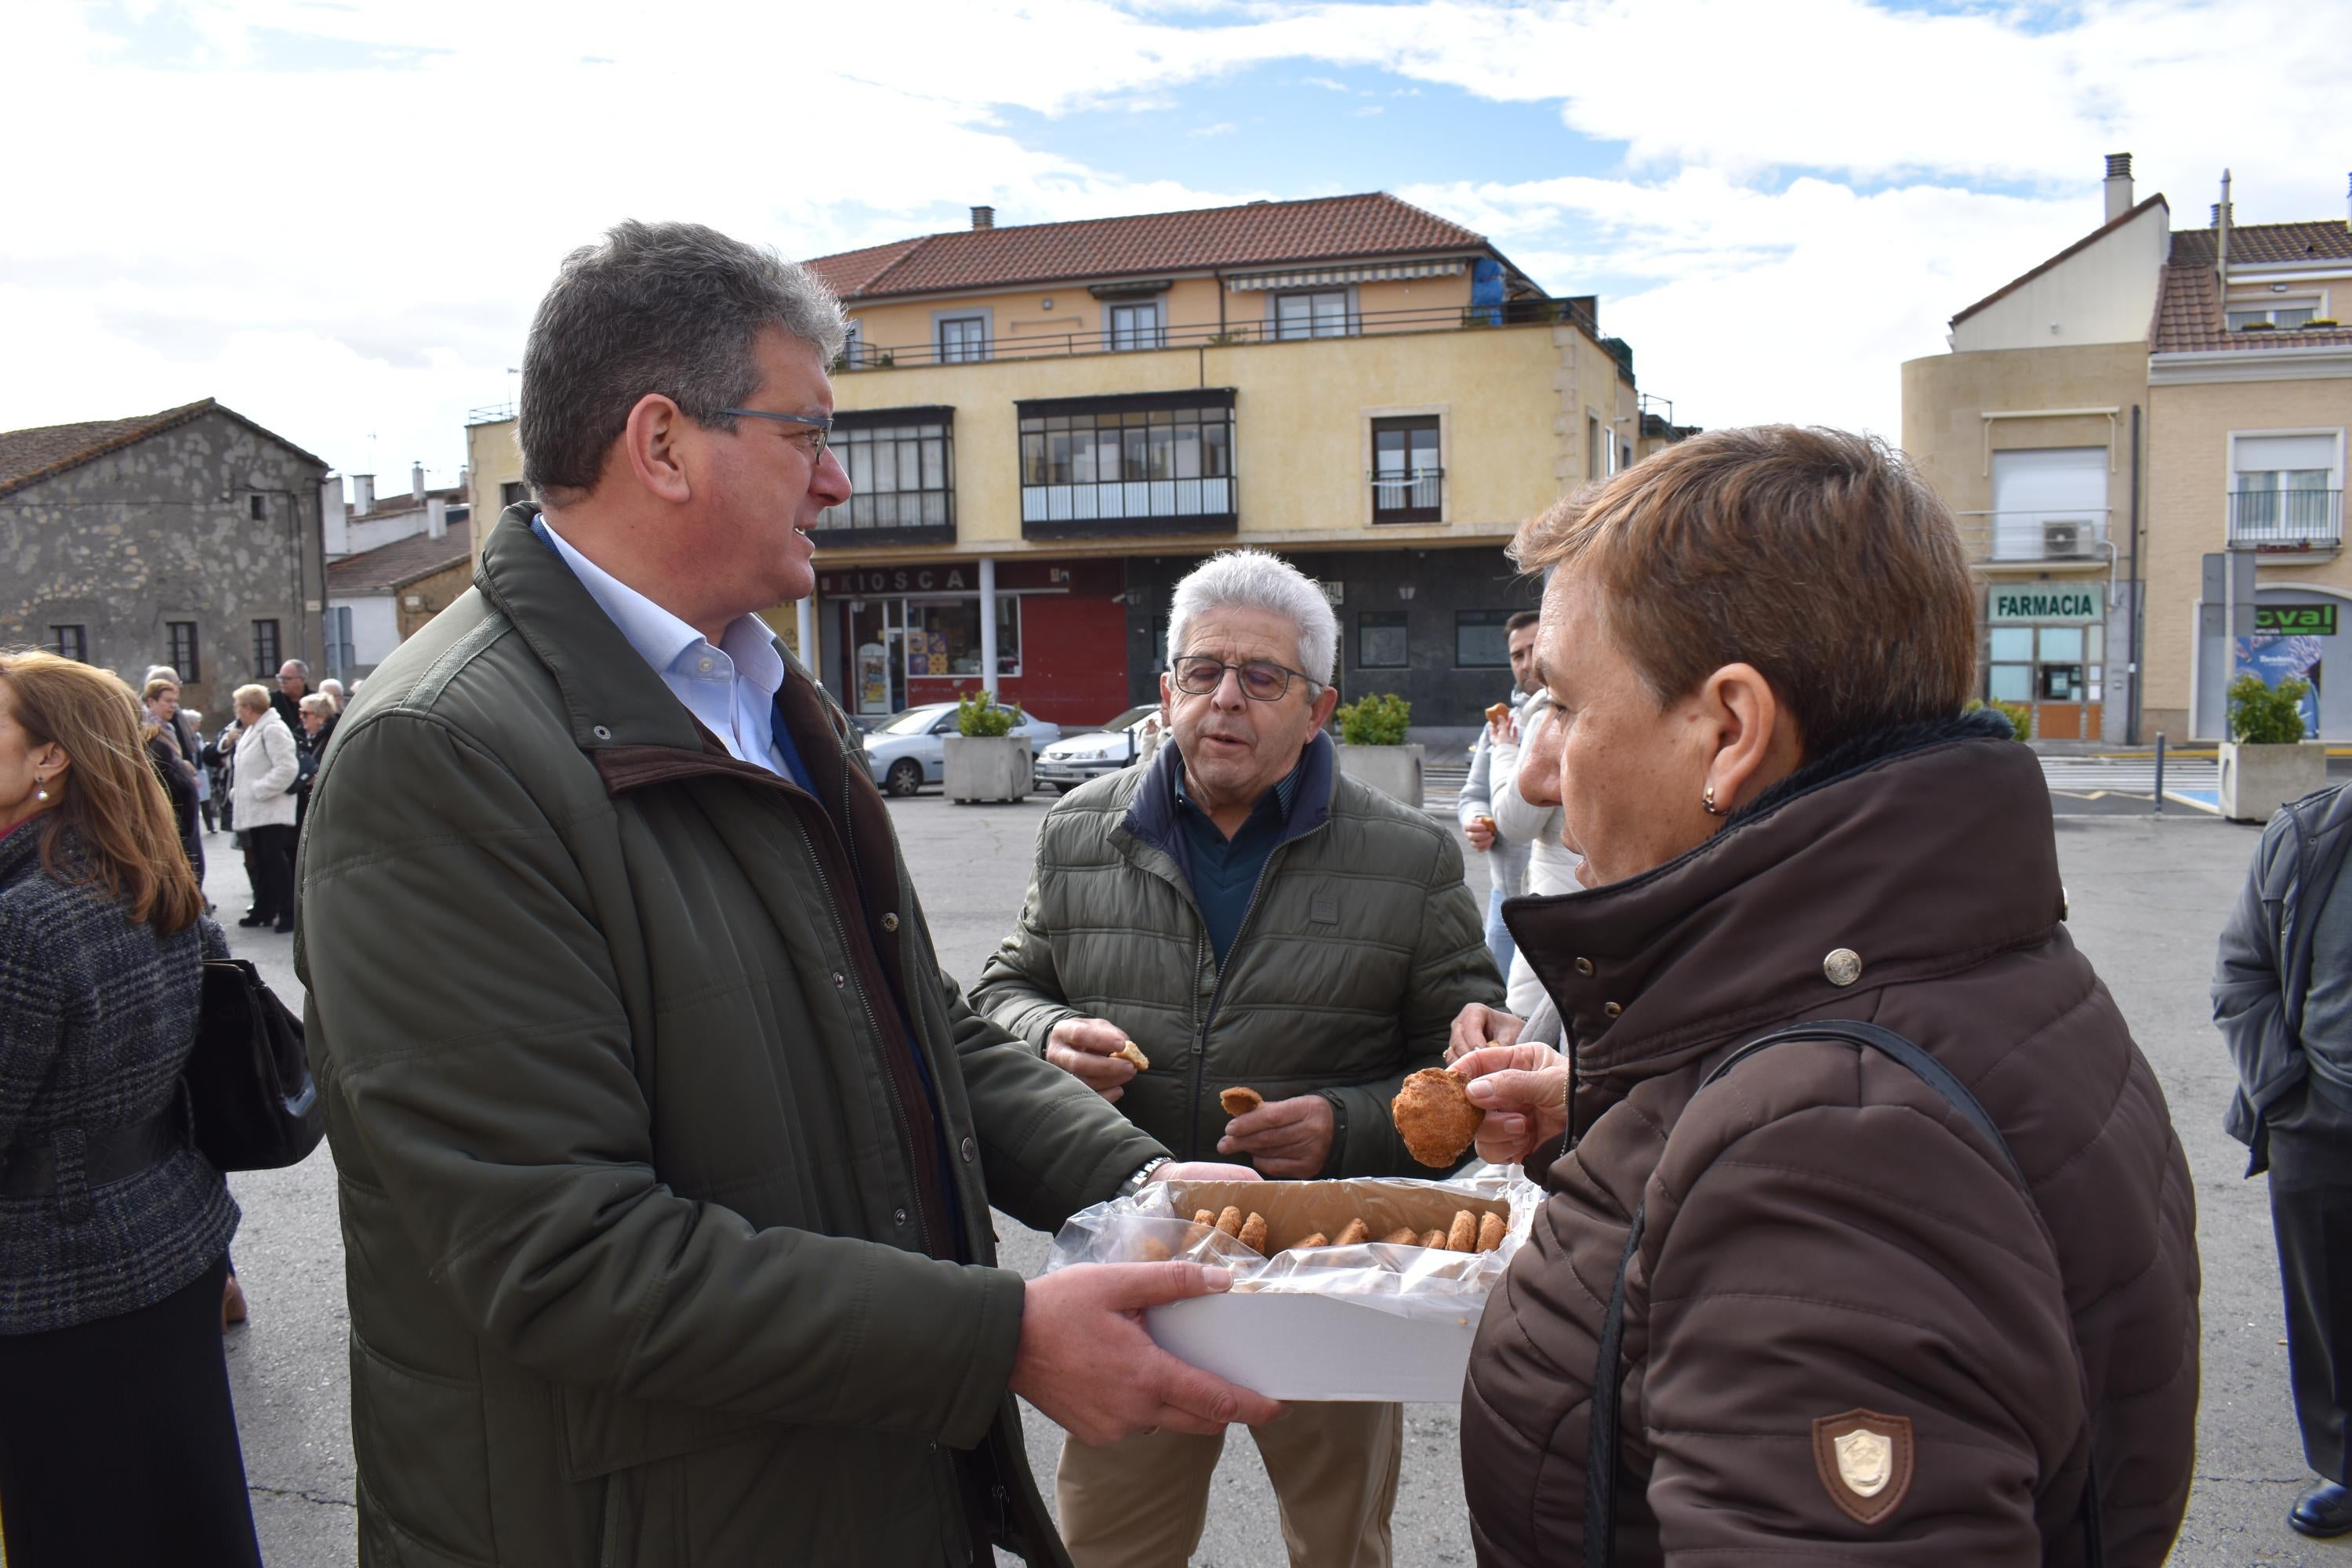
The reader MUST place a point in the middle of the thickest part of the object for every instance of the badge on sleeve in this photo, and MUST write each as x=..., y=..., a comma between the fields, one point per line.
x=1864, y=1460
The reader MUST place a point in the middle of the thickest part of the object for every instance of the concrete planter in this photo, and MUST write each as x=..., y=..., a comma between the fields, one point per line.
x=986, y=767
x=2257, y=780
x=1392, y=770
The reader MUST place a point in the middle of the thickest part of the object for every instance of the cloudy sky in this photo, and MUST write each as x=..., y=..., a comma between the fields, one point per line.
x=335, y=216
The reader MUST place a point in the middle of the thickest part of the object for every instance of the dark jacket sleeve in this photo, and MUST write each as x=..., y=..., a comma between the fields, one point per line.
x=1451, y=969
x=1791, y=1291
x=2248, y=1005
x=32, y=1018
x=1020, y=988
x=1049, y=1144
x=488, y=1077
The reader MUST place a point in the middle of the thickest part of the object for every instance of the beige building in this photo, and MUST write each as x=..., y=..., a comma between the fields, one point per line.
x=2117, y=426
x=1047, y=425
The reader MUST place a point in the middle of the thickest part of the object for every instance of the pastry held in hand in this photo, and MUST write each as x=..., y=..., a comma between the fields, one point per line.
x=1240, y=1102
x=1434, y=1116
x=1132, y=1052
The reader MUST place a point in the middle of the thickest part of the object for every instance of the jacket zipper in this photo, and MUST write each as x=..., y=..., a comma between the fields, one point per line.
x=1208, y=1020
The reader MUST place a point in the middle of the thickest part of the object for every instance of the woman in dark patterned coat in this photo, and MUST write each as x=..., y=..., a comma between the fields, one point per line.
x=119, y=1443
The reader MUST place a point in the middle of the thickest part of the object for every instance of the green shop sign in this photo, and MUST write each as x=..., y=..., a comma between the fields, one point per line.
x=2042, y=602
x=2296, y=620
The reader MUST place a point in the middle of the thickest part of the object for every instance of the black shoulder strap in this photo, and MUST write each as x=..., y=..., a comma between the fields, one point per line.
x=1602, y=1444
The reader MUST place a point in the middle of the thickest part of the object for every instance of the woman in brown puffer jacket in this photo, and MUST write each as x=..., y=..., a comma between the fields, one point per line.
x=1849, y=1331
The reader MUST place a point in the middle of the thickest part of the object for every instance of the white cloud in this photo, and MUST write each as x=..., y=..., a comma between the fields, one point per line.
x=1221, y=128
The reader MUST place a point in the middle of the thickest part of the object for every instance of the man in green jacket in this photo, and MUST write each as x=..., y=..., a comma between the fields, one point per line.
x=1250, y=918
x=660, y=1135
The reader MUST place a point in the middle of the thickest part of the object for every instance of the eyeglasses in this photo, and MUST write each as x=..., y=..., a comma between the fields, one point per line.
x=1261, y=679
x=814, y=440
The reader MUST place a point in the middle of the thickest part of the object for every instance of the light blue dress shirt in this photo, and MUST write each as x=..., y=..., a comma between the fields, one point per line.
x=731, y=688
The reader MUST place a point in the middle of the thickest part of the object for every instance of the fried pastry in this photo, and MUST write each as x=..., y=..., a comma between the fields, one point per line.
x=1490, y=1232
x=1498, y=712
x=1240, y=1102
x=1434, y=1239
x=1357, y=1233
x=1132, y=1052
x=1155, y=1250
x=1230, y=1222
x=1434, y=1116
x=1204, y=1216
x=1402, y=1236
x=1462, y=1236
x=1304, y=1242
x=1253, y=1234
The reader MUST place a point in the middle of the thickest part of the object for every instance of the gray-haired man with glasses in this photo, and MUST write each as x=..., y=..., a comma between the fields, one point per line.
x=1250, y=918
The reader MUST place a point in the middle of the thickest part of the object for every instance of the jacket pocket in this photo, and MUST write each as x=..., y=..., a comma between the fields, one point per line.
x=605, y=1432
x=418, y=1438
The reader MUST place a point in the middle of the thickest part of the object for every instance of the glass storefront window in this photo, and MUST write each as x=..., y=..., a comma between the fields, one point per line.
x=2012, y=683
x=943, y=637
x=2061, y=645
x=2013, y=644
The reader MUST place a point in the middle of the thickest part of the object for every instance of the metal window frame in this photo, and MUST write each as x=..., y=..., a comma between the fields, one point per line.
x=1114, y=412
x=851, y=426
x=188, y=662
x=1383, y=516
x=1475, y=616
x=269, y=665
x=79, y=653
x=1401, y=620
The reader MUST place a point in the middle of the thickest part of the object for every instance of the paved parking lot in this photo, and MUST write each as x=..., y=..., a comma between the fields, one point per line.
x=2148, y=896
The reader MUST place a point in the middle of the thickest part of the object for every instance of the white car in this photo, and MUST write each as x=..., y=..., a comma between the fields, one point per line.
x=908, y=750
x=1074, y=759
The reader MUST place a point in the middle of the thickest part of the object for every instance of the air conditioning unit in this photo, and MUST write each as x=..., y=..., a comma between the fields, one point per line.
x=2068, y=538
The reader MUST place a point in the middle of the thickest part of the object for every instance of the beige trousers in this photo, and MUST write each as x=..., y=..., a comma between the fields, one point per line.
x=1142, y=1503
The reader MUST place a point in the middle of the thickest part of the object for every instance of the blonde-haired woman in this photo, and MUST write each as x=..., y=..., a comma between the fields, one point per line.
x=118, y=1441
x=268, y=761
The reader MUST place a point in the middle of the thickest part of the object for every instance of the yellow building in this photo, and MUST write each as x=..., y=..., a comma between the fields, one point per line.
x=1047, y=425
x=2126, y=430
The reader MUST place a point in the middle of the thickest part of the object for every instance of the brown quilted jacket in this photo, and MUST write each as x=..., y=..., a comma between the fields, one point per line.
x=1828, y=1249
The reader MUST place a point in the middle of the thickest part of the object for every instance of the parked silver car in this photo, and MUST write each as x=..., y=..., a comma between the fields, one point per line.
x=908, y=750
x=1074, y=759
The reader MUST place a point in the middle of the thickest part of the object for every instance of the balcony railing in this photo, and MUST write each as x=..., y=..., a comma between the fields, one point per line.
x=1362, y=323
x=2286, y=519
x=2072, y=533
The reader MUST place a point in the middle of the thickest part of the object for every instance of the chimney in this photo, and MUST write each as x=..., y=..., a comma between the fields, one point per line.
x=2119, y=186
x=2347, y=202
x=362, y=493
x=983, y=218
x=437, y=518
x=2222, y=218
x=416, y=482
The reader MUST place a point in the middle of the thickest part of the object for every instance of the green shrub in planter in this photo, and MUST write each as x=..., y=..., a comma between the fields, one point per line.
x=2265, y=715
x=1375, y=721
x=2018, y=714
x=978, y=713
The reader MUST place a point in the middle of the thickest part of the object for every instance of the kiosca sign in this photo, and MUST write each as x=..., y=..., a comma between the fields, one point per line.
x=2044, y=603
x=920, y=580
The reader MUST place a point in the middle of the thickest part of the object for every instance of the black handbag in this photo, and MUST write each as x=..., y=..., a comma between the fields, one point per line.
x=249, y=1088
x=1602, y=1450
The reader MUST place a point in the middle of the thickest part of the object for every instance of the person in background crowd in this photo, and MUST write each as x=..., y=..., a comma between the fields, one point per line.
x=1330, y=935
x=118, y=1438
x=2283, y=998
x=174, y=768
x=1506, y=859
x=1851, y=1329
x=293, y=685
x=1526, y=777
x=188, y=729
x=333, y=689
x=668, y=1149
x=318, y=727
x=268, y=763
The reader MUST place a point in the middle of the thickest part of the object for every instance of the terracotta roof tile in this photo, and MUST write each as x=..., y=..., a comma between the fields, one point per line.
x=28, y=457
x=393, y=566
x=1258, y=234
x=2189, y=314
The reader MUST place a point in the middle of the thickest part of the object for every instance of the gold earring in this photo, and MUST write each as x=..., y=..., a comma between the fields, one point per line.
x=1707, y=800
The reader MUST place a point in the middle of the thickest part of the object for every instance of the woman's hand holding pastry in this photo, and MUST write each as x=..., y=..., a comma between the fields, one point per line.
x=1523, y=1090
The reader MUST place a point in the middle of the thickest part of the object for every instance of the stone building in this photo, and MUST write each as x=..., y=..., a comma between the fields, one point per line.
x=190, y=538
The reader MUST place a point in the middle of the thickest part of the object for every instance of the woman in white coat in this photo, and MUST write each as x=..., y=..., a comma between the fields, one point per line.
x=1537, y=823
x=268, y=763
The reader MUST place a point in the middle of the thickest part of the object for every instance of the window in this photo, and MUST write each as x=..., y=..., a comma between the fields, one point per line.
x=2049, y=504
x=962, y=339
x=1481, y=640
x=2285, y=491
x=70, y=642
x=1092, y=467
x=266, y=655
x=1136, y=327
x=181, y=636
x=1317, y=313
x=2045, y=663
x=1406, y=478
x=1380, y=641
x=514, y=492
x=256, y=508
x=853, y=343
x=944, y=637
x=2280, y=313
x=1595, y=454
x=901, y=467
